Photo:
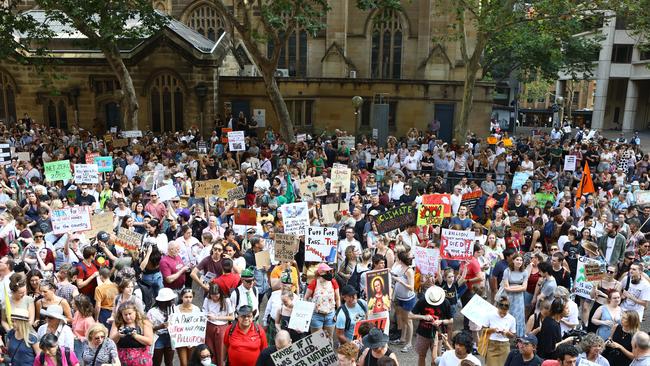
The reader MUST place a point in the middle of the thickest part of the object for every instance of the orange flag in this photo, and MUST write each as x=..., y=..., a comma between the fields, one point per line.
x=586, y=184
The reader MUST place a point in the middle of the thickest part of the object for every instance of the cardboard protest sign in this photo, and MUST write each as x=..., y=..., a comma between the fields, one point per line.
x=120, y=142
x=470, y=199
x=340, y=179
x=456, y=244
x=58, y=170
x=350, y=141
x=542, y=198
x=520, y=224
x=478, y=311
x=320, y=244
x=131, y=134
x=328, y=211
x=395, y=218
x=237, y=193
x=312, y=186
x=129, y=240
x=427, y=260
x=104, y=164
x=245, y=216
x=86, y=173
x=642, y=198
x=315, y=349
x=166, y=192
x=301, y=315
x=100, y=222
x=434, y=208
x=380, y=323
x=66, y=220
x=519, y=179
x=187, y=329
x=236, y=141
x=570, y=163
x=378, y=290
x=286, y=247
x=295, y=217
x=263, y=259
x=583, y=285
x=212, y=187
x=90, y=158
x=594, y=270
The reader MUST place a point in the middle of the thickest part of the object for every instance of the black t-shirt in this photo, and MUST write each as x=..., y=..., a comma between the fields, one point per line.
x=572, y=253
x=440, y=312
x=548, y=337
x=516, y=359
x=562, y=278
x=85, y=200
x=264, y=359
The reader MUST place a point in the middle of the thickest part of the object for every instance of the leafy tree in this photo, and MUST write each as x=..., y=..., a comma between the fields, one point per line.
x=636, y=14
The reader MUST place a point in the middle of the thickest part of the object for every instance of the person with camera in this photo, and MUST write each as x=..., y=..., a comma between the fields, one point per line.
x=133, y=334
x=618, y=348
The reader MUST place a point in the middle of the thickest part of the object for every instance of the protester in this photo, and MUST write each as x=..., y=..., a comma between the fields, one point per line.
x=282, y=341
x=461, y=352
x=101, y=350
x=51, y=352
x=525, y=354
x=640, y=349
x=244, y=340
x=433, y=311
x=500, y=328
x=132, y=332
x=376, y=343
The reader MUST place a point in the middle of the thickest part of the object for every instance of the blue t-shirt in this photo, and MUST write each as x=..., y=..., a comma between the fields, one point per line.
x=356, y=314
x=22, y=354
x=464, y=223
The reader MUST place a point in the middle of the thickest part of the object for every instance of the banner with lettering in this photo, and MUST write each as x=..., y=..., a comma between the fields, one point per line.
x=434, y=208
x=456, y=244
x=58, y=170
x=396, y=218
x=583, y=284
x=187, y=330
x=320, y=244
x=86, y=173
x=286, y=247
x=315, y=349
x=66, y=220
x=470, y=199
x=427, y=260
x=129, y=240
x=295, y=217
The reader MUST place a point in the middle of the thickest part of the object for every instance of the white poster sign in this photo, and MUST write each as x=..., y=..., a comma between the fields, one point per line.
x=295, y=218
x=236, y=141
x=86, y=173
x=320, y=244
x=166, y=192
x=340, y=179
x=70, y=219
x=456, y=244
x=583, y=287
x=427, y=260
x=131, y=134
x=187, y=330
x=478, y=310
x=301, y=315
x=315, y=349
x=570, y=163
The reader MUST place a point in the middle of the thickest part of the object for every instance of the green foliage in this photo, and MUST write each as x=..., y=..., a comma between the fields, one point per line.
x=32, y=34
x=636, y=14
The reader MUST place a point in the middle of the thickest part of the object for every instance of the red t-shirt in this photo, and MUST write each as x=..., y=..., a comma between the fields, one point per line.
x=244, y=348
x=85, y=272
x=473, y=269
x=312, y=285
x=227, y=282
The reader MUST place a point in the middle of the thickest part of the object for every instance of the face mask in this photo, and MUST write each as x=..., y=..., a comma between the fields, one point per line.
x=206, y=361
x=327, y=276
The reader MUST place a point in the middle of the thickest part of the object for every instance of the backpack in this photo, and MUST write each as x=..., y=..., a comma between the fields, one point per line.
x=236, y=290
x=346, y=312
x=66, y=351
x=549, y=229
x=234, y=324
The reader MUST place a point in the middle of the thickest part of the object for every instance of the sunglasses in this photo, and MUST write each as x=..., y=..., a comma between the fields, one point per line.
x=248, y=281
x=538, y=247
x=503, y=305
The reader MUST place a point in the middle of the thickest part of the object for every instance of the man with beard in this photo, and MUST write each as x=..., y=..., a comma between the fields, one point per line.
x=612, y=245
x=636, y=290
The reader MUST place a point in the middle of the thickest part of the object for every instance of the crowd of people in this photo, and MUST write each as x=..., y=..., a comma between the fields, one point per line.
x=77, y=299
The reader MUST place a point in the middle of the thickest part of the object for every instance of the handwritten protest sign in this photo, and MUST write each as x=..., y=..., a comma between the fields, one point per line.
x=245, y=216
x=312, y=186
x=90, y=158
x=443, y=199
x=100, y=222
x=594, y=271
x=212, y=187
x=570, y=162
x=427, y=260
x=236, y=141
x=378, y=291
x=520, y=224
x=315, y=349
x=379, y=323
x=66, y=220
x=269, y=246
x=470, y=199
x=237, y=193
x=519, y=179
x=104, y=164
x=286, y=247
x=131, y=134
x=583, y=285
x=127, y=239
x=58, y=170
x=23, y=156
x=86, y=173
x=166, y=192
x=478, y=311
x=456, y=244
x=328, y=211
x=120, y=142
x=301, y=315
x=295, y=217
x=395, y=218
x=430, y=215
x=642, y=198
x=341, y=176
x=187, y=329
x=320, y=244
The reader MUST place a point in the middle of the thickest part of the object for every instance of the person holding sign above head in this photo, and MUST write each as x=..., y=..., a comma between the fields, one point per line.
x=244, y=340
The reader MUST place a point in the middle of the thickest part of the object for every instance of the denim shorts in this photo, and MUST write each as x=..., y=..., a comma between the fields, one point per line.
x=407, y=304
x=322, y=320
x=163, y=341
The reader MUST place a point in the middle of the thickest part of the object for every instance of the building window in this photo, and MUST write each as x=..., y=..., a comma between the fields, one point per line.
x=205, y=20
x=7, y=99
x=56, y=113
x=386, y=54
x=576, y=98
x=105, y=86
x=293, y=55
x=622, y=53
x=301, y=112
x=166, y=99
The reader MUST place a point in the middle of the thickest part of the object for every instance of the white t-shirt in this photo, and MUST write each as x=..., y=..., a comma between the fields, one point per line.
x=344, y=244
x=449, y=359
x=572, y=318
x=507, y=322
x=641, y=291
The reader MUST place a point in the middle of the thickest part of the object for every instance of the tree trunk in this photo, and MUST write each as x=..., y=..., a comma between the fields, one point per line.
x=471, y=69
x=279, y=106
x=129, y=102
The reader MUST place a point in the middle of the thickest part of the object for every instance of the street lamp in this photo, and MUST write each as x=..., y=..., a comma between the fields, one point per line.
x=357, y=102
x=559, y=101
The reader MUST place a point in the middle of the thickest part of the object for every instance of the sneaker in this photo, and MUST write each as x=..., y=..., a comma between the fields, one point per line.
x=396, y=341
x=407, y=348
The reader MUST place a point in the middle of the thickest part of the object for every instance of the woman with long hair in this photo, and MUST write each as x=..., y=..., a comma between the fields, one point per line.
x=22, y=341
x=32, y=206
x=125, y=294
x=347, y=266
x=514, y=283
x=550, y=335
x=618, y=349
x=238, y=262
x=151, y=254
x=138, y=217
x=101, y=350
x=185, y=307
x=34, y=278
x=18, y=299
x=52, y=353
x=82, y=320
x=47, y=288
x=600, y=293
x=7, y=232
x=534, y=322
x=220, y=313
x=133, y=334
x=158, y=315
x=608, y=315
x=403, y=277
x=384, y=250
